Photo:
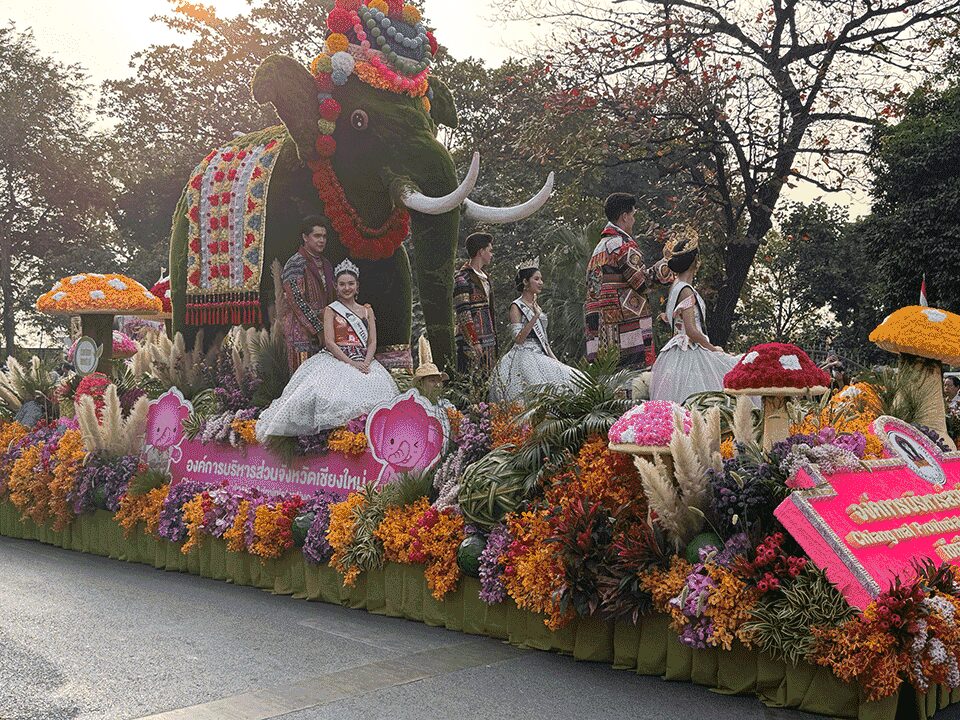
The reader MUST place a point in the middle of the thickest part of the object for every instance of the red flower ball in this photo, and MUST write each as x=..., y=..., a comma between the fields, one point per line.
x=326, y=146
x=339, y=21
x=330, y=109
x=348, y=4
x=434, y=46
x=395, y=7
x=324, y=83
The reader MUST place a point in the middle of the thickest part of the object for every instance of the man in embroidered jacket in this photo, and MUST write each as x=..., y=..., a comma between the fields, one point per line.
x=308, y=287
x=616, y=310
x=473, y=300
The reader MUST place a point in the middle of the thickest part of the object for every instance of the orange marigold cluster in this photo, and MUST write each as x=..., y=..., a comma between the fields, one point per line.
x=10, y=432
x=394, y=530
x=246, y=430
x=503, y=429
x=29, y=484
x=141, y=508
x=193, y=514
x=598, y=475
x=340, y=533
x=272, y=527
x=435, y=538
x=69, y=459
x=533, y=567
x=348, y=443
x=236, y=535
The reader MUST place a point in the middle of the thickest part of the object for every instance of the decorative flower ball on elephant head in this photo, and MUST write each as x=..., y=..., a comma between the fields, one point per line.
x=358, y=145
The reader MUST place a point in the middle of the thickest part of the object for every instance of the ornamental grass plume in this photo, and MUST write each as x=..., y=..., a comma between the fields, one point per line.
x=676, y=519
x=108, y=433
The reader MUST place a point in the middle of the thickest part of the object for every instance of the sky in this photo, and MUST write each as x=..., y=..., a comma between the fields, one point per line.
x=101, y=36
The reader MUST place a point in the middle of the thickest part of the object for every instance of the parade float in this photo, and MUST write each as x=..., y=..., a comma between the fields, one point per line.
x=806, y=553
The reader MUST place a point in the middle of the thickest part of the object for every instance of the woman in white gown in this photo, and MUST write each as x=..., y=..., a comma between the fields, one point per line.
x=530, y=361
x=342, y=381
x=689, y=363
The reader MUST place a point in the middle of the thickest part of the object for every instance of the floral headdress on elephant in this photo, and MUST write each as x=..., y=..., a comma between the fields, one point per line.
x=385, y=44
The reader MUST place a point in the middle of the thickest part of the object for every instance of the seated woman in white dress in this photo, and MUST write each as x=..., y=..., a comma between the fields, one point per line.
x=689, y=363
x=342, y=381
x=530, y=361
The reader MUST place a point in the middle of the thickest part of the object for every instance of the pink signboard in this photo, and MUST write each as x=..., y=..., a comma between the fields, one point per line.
x=406, y=434
x=865, y=528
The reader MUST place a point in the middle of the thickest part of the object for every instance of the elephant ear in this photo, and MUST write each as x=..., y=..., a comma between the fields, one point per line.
x=291, y=89
x=442, y=108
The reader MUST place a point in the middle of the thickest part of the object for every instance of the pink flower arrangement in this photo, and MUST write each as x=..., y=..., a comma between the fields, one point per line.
x=649, y=424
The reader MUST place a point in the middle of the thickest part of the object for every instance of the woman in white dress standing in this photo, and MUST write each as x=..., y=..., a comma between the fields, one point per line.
x=530, y=361
x=342, y=381
x=689, y=363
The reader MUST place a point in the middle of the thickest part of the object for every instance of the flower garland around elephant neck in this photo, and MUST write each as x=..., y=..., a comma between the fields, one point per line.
x=360, y=240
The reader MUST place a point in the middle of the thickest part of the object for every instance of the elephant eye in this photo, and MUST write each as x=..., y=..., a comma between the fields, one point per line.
x=392, y=441
x=359, y=120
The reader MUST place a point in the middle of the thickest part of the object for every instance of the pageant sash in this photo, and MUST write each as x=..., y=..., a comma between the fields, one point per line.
x=353, y=319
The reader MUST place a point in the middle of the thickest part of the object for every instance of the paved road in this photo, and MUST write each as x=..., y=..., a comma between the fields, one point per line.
x=91, y=638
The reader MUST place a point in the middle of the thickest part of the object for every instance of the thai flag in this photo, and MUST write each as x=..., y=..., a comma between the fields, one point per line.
x=923, y=291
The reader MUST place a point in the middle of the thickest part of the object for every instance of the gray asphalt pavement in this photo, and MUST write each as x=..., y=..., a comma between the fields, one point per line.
x=91, y=638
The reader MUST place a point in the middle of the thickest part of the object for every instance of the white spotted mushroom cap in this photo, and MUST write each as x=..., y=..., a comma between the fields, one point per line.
x=921, y=331
x=776, y=369
x=91, y=293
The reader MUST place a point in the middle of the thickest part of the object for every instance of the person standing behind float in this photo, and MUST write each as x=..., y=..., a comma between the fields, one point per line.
x=476, y=335
x=616, y=310
x=342, y=382
x=308, y=287
x=530, y=362
x=689, y=363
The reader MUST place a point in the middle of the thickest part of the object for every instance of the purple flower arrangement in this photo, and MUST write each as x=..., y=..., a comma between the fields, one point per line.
x=492, y=589
x=316, y=549
x=172, y=527
x=232, y=394
x=109, y=475
x=691, y=602
x=219, y=428
x=313, y=444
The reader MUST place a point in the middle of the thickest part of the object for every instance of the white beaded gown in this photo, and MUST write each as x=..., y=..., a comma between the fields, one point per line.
x=326, y=393
x=684, y=368
x=527, y=365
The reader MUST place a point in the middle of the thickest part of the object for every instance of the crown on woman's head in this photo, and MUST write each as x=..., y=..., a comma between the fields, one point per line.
x=686, y=239
x=346, y=267
x=531, y=264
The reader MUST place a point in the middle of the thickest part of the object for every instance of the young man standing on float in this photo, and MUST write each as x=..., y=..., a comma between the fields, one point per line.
x=616, y=310
x=473, y=301
x=308, y=287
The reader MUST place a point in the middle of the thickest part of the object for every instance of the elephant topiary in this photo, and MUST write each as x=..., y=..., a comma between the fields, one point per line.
x=358, y=144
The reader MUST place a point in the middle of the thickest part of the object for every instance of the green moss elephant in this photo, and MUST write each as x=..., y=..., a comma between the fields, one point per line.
x=387, y=157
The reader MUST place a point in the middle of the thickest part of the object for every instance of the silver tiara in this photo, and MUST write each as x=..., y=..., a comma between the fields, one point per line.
x=348, y=267
x=532, y=264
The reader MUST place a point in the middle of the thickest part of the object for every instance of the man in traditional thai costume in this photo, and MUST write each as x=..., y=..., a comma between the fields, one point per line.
x=473, y=300
x=308, y=287
x=616, y=310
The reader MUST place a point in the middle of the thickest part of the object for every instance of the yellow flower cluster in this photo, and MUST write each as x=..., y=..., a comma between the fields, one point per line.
x=503, y=430
x=534, y=572
x=193, y=519
x=729, y=605
x=142, y=508
x=347, y=443
x=853, y=409
x=598, y=475
x=246, y=430
x=438, y=546
x=29, y=484
x=337, y=42
x=269, y=537
x=394, y=530
x=663, y=585
x=727, y=450
x=340, y=533
x=10, y=432
x=69, y=459
x=236, y=535
x=860, y=652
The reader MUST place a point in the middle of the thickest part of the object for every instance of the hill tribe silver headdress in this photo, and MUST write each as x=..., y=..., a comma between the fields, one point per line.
x=531, y=264
x=346, y=267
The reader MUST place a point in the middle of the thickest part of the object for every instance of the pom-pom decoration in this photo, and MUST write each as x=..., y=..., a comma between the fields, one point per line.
x=340, y=21
x=162, y=290
x=337, y=42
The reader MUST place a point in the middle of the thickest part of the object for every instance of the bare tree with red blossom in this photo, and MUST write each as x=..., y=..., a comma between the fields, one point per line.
x=739, y=99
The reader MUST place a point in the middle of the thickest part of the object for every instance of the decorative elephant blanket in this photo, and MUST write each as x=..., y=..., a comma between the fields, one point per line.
x=226, y=201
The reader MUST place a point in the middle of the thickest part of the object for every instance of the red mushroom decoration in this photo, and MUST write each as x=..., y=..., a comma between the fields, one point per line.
x=162, y=290
x=774, y=372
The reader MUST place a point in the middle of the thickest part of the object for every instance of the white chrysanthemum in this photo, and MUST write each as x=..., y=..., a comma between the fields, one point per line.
x=790, y=362
x=934, y=315
x=59, y=296
x=749, y=358
x=117, y=283
x=97, y=275
x=77, y=279
x=343, y=61
x=97, y=295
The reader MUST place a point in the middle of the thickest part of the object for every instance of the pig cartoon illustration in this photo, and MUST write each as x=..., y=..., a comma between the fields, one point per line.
x=407, y=435
x=165, y=429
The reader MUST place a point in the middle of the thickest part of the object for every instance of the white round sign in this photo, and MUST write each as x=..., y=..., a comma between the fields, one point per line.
x=86, y=356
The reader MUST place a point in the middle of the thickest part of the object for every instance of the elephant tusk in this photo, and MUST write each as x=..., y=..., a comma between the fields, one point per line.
x=415, y=200
x=515, y=213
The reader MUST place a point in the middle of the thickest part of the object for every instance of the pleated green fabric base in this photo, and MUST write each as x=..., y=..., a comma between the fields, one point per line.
x=648, y=648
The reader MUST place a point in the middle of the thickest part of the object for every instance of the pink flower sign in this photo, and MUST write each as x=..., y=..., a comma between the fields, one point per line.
x=865, y=528
x=406, y=434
